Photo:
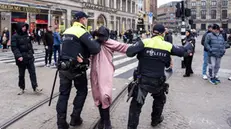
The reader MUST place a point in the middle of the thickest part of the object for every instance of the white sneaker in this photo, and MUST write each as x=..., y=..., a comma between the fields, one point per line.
x=229, y=78
x=37, y=90
x=205, y=77
x=21, y=92
x=48, y=65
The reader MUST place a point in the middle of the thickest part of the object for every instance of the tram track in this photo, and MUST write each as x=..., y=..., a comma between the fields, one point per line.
x=29, y=110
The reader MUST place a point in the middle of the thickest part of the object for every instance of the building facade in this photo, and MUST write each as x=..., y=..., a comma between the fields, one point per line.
x=117, y=15
x=166, y=16
x=36, y=14
x=205, y=12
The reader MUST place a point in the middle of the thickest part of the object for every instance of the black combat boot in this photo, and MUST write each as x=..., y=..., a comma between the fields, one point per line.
x=157, y=121
x=101, y=122
x=106, y=116
x=62, y=123
x=76, y=120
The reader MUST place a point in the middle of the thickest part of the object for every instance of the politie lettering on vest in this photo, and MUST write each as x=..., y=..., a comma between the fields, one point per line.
x=154, y=55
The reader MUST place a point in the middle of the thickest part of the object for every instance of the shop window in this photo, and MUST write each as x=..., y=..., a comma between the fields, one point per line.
x=19, y=17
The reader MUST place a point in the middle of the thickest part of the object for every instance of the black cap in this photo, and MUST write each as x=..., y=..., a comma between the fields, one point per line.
x=216, y=27
x=80, y=14
x=210, y=26
x=158, y=28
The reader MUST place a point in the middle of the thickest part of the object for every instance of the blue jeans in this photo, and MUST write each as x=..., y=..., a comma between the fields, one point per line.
x=205, y=64
x=56, y=48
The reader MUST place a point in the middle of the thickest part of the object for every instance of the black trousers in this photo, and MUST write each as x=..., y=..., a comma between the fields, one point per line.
x=48, y=55
x=80, y=84
x=135, y=109
x=188, y=65
x=31, y=69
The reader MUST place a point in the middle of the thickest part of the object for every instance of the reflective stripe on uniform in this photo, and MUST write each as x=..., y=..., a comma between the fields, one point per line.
x=77, y=29
x=157, y=42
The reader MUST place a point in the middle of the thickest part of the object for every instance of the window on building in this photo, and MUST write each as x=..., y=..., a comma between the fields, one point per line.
x=193, y=26
x=213, y=14
x=224, y=3
x=129, y=5
x=193, y=14
x=101, y=2
x=224, y=14
x=124, y=5
x=193, y=4
x=203, y=26
x=133, y=7
x=213, y=3
x=203, y=3
x=91, y=1
x=111, y=3
x=203, y=14
x=118, y=4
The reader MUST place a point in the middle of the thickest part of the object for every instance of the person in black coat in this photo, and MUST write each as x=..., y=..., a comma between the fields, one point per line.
x=168, y=36
x=23, y=52
x=224, y=34
x=48, y=43
x=188, y=60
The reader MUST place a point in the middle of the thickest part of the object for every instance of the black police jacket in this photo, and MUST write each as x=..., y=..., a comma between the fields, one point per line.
x=154, y=55
x=76, y=41
x=21, y=45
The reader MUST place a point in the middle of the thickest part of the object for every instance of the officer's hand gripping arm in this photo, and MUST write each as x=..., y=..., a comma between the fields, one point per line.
x=90, y=43
x=135, y=49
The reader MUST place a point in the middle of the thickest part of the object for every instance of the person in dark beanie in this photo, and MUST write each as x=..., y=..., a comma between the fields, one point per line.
x=215, y=44
x=48, y=43
x=23, y=52
x=188, y=60
x=205, y=59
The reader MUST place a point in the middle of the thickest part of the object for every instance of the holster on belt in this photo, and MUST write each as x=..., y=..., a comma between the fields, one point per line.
x=73, y=65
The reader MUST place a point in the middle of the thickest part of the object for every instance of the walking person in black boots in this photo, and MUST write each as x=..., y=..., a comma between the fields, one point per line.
x=48, y=43
x=188, y=60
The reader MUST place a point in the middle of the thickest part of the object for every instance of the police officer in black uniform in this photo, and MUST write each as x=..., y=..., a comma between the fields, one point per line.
x=154, y=56
x=77, y=46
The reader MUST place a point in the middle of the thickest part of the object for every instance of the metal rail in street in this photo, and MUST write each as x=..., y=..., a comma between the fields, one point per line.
x=19, y=116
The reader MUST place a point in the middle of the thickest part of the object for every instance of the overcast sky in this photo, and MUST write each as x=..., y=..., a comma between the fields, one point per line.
x=160, y=2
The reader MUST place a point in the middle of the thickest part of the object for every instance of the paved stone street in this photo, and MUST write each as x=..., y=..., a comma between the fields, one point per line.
x=192, y=103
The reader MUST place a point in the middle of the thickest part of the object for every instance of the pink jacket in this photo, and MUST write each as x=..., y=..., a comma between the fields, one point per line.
x=102, y=70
